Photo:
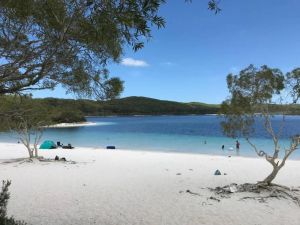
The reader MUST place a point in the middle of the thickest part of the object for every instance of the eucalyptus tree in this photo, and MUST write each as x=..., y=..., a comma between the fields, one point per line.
x=253, y=92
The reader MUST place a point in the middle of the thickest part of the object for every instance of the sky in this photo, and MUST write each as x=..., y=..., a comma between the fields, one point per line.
x=189, y=59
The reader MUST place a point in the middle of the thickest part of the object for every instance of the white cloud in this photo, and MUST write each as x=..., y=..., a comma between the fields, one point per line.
x=134, y=62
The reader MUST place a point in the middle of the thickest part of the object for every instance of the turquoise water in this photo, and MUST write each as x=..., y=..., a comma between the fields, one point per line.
x=190, y=134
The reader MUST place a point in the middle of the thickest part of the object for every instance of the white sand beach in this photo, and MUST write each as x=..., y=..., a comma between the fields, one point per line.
x=68, y=125
x=116, y=187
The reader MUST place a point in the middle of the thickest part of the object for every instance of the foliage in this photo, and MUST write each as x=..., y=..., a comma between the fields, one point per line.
x=4, y=197
x=113, y=88
x=213, y=5
x=253, y=93
x=293, y=82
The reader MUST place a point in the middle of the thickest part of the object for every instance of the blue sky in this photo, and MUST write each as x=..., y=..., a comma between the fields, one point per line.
x=189, y=59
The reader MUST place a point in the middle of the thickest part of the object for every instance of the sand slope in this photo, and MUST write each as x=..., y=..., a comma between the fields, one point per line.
x=139, y=188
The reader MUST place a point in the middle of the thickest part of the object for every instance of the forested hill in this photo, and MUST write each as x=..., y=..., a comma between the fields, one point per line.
x=130, y=106
x=71, y=110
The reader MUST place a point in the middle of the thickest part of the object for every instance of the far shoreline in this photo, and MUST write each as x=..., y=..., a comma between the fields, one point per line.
x=153, y=115
x=67, y=125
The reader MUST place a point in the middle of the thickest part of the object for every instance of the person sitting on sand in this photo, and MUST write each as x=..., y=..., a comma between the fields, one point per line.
x=69, y=146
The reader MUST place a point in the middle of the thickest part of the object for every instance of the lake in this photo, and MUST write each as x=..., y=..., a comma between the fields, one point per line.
x=188, y=134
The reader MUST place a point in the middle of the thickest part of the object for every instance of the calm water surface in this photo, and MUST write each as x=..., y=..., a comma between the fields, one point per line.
x=190, y=134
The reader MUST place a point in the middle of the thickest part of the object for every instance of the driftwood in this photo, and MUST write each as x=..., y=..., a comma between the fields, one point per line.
x=32, y=160
x=192, y=193
x=262, y=192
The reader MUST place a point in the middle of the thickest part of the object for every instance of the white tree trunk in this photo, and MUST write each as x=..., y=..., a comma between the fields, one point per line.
x=268, y=180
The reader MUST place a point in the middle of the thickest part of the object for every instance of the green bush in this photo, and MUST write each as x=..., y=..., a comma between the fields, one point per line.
x=4, y=197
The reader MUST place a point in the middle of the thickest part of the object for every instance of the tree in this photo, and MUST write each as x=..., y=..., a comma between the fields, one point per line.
x=69, y=42
x=252, y=93
x=20, y=114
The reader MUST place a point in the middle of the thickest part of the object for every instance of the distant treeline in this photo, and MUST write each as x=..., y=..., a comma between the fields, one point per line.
x=128, y=106
x=75, y=110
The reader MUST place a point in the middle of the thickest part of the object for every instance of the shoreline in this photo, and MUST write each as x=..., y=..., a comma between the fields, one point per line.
x=152, y=115
x=156, y=151
x=133, y=150
x=69, y=125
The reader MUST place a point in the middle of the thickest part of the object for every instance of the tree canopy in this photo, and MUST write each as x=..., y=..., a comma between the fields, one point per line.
x=44, y=43
x=252, y=93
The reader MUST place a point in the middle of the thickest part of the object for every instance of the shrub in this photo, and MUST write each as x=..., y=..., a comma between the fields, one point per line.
x=4, y=197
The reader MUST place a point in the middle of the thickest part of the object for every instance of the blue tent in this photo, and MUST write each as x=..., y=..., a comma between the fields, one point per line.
x=48, y=145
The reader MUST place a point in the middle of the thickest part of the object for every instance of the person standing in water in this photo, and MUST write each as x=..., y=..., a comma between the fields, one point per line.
x=237, y=145
x=223, y=147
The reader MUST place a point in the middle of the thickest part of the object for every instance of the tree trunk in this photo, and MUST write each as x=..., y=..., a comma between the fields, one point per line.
x=268, y=180
x=29, y=151
x=36, y=152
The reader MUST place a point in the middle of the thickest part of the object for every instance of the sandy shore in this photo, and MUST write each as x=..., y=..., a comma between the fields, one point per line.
x=68, y=125
x=115, y=187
